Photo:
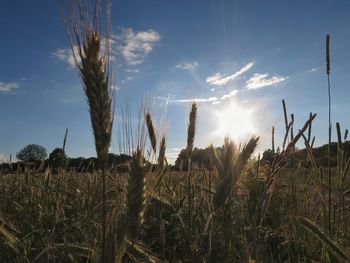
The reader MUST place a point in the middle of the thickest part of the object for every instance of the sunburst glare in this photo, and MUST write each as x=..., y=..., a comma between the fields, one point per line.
x=234, y=121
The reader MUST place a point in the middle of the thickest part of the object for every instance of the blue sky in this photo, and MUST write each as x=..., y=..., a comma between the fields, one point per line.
x=247, y=53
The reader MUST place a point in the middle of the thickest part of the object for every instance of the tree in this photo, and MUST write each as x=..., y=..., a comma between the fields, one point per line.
x=32, y=152
x=57, y=157
x=268, y=155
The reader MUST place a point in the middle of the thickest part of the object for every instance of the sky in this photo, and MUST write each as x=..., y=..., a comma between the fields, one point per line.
x=237, y=59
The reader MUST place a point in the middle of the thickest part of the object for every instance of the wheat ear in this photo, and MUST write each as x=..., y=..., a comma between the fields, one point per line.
x=151, y=132
x=161, y=154
x=191, y=132
x=230, y=164
x=136, y=199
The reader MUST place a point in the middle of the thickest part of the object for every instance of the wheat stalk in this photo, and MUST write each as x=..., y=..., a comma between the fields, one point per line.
x=328, y=69
x=285, y=115
x=273, y=139
x=277, y=164
x=313, y=228
x=83, y=30
x=309, y=130
x=291, y=128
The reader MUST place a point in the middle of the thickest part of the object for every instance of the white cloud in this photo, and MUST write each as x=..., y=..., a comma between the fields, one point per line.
x=8, y=87
x=132, y=46
x=114, y=88
x=3, y=158
x=65, y=55
x=219, y=80
x=135, y=46
x=261, y=80
x=177, y=148
x=187, y=66
x=172, y=156
x=229, y=95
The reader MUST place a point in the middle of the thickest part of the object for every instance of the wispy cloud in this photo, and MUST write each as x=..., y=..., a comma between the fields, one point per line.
x=312, y=70
x=210, y=99
x=9, y=87
x=213, y=100
x=261, y=80
x=135, y=46
x=132, y=70
x=188, y=66
x=219, y=80
x=229, y=95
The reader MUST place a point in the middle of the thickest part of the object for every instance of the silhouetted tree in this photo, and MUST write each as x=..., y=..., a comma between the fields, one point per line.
x=268, y=155
x=32, y=152
x=57, y=158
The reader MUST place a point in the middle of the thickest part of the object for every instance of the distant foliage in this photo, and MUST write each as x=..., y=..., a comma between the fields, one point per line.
x=32, y=152
x=199, y=157
x=268, y=155
x=58, y=158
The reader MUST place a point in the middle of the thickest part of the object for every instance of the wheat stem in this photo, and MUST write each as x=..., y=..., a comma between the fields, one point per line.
x=329, y=131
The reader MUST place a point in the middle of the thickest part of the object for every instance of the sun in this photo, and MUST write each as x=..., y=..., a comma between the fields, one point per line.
x=235, y=122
